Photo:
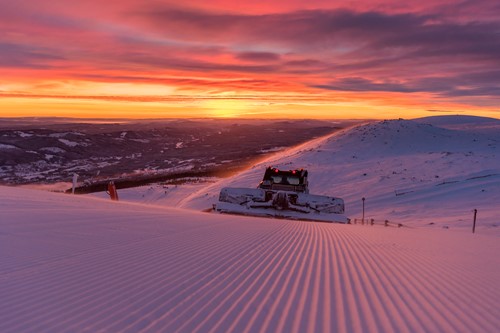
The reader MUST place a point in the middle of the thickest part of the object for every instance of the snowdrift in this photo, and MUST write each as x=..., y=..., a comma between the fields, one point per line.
x=73, y=263
x=410, y=172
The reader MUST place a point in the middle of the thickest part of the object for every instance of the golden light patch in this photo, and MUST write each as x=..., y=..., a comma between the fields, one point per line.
x=226, y=108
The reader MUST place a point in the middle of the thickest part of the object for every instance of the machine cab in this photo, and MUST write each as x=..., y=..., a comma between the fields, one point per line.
x=281, y=180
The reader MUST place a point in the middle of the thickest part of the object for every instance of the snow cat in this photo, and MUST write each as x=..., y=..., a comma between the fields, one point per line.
x=281, y=194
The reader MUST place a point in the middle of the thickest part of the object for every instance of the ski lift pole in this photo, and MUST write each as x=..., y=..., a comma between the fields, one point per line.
x=363, y=219
x=474, y=223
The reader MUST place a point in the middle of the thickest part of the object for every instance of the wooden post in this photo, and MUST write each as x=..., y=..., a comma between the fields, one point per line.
x=386, y=223
x=363, y=219
x=474, y=223
x=113, y=193
x=372, y=221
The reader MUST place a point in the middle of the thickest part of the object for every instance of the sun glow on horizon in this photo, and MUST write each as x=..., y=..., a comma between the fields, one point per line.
x=225, y=108
x=138, y=107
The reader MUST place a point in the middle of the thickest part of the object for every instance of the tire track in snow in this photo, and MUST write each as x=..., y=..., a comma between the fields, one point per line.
x=427, y=293
x=304, y=298
x=432, y=293
x=265, y=258
x=317, y=286
x=439, y=286
x=53, y=231
x=291, y=273
x=244, y=275
x=183, y=276
x=393, y=315
x=146, y=302
x=349, y=278
x=213, y=285
x=245, y=306
x=119, y=258
x=273, y=319
x=356, y=301
x=386, y=264
x=117, y=255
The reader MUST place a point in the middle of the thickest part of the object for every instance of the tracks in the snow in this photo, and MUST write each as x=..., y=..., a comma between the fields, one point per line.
x=175, y=271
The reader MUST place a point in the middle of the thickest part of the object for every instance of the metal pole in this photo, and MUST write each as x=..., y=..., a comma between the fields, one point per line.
x=474, y=224
x=363, y=198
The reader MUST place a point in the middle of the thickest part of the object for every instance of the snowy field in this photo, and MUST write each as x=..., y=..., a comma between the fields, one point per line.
x=430, y=172
x=77, y=263
x=409, y=171
x=168, y=195
x=84, y=263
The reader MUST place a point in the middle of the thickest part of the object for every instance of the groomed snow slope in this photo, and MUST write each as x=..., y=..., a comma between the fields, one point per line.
x=410, y=172
x=74, y=263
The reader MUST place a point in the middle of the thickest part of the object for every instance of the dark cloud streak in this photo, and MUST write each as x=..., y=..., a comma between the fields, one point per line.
x=361, y=84
x=452, y=86
x=299, y=28
x=417, y=35
x=258, y=56
x=24, y=56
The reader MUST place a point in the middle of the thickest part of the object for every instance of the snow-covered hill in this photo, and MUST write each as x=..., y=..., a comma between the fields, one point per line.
x=456, y=120
x=81, y=264
x=77, y=263
x=410, y=172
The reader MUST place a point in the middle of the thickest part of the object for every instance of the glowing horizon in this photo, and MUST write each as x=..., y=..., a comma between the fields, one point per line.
x=155, y=59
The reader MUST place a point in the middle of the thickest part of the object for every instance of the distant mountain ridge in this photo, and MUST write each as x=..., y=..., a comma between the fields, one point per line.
x=456, y=119
x=54, y=152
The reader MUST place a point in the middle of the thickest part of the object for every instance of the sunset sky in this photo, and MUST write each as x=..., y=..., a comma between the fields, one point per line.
x=225, y=58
